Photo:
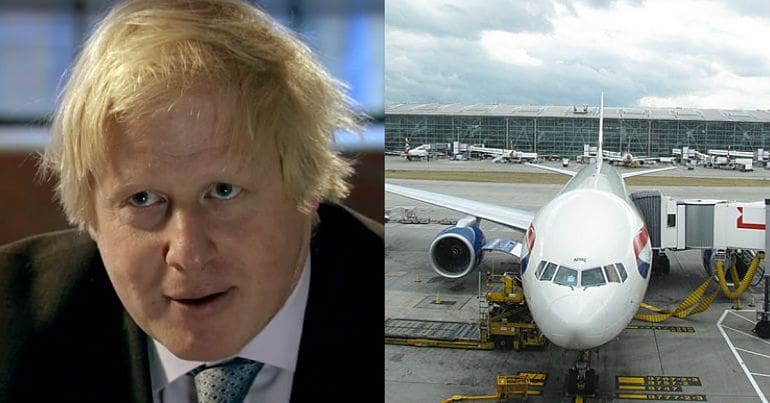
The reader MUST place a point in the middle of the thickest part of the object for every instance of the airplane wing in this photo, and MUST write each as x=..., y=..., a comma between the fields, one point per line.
x=507, y=216
x=645, y=172
x=554, y=169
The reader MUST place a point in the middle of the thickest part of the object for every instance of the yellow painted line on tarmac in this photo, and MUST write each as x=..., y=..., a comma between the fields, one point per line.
x=673, y=329
x=652, y=388
x=631, y=387
x=639, y=380
x=636, y=396
x=662, y=396
x=658, y=380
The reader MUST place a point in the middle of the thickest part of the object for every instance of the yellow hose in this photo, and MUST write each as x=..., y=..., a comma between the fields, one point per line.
x=683, y=310
x=743, y=285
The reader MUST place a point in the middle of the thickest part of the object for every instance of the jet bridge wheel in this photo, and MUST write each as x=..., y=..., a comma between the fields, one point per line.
x=660, y=263
x=762, y=329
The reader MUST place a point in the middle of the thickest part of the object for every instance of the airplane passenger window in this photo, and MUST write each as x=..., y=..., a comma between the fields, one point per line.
x=622, y=271
x=539, y=270
x=566, y=276
x=592, y=277
x=548, y=273
x=612, y=275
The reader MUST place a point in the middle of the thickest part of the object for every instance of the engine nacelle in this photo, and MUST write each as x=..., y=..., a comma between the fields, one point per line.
x=457, y=250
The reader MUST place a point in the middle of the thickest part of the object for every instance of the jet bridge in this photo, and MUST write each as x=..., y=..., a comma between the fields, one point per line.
x=729, y=227
x=678, y=224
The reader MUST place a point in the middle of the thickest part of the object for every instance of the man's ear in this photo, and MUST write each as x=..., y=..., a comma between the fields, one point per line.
x=92, y=232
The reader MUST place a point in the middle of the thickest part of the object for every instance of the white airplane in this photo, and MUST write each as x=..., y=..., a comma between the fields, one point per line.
x=501, y=154
x=627, y=158
x=585, y=260
x=419, y=152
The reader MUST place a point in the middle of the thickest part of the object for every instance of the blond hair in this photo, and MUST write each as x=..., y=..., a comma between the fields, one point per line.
x=146, y=53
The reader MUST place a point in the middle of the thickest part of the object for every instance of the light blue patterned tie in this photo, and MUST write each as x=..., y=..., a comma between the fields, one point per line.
x=228, y=382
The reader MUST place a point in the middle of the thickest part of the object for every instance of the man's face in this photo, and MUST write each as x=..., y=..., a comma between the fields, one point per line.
x=202, y=251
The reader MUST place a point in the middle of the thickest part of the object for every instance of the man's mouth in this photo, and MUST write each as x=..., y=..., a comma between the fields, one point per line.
x=200, y=301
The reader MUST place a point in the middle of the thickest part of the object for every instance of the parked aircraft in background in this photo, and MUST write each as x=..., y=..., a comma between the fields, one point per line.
x=421, y=152
x=504, y=155
x=627, y=158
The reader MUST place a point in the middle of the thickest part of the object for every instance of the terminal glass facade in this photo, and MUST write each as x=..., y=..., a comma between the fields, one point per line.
x=565, y=137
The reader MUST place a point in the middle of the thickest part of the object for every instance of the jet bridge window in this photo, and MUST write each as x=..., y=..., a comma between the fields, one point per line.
x=612, y=275
x=566, y=276
x=550, y=268
x=592, y=277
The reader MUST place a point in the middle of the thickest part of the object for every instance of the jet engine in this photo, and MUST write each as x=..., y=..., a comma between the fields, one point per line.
x=458, y=249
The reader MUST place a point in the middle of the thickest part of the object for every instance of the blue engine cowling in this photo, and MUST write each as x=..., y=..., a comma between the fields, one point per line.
x=457, y=250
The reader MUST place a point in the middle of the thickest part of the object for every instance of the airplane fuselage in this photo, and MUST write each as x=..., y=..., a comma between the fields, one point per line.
x=587, y=261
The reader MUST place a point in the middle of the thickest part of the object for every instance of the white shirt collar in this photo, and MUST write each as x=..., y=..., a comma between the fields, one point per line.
x=276, y=345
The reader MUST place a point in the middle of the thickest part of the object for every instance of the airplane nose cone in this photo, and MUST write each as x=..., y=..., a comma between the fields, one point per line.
x=577, y=323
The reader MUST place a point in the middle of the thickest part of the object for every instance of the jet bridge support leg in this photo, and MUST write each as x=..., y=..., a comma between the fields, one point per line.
x=762, y=329
x=660, y=262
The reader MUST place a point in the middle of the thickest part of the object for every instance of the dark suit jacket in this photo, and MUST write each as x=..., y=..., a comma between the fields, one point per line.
x=64, y=335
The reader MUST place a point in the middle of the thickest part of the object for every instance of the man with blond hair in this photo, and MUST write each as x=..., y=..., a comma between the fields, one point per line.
x=191, y=148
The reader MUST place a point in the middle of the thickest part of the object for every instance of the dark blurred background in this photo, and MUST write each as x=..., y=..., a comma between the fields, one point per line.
x=40, y=38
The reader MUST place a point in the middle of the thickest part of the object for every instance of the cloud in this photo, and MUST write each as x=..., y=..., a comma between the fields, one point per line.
x=750, y=8
x=638, y=53
x=509, y=48
x=455, y=18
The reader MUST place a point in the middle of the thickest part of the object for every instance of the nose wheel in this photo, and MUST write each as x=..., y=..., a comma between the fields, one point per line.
x=581, y=379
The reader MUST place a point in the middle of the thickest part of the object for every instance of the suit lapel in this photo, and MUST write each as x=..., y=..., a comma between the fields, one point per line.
x=309, y=373
x=137, y=359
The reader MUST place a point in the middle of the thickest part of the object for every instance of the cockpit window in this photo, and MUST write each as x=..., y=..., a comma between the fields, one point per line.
x=566, y=276
x=595, y=276
x=539, y=270
x=612, y=275
x=622, y=271
x=548, y=273
x=592, y=277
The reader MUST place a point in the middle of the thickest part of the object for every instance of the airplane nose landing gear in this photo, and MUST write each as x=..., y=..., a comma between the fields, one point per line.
x=581, y=379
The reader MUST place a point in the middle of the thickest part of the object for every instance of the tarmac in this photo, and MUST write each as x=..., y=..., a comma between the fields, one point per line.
x=712, y=356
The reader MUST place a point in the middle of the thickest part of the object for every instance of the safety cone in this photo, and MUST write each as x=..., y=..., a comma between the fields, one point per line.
x=438, y=299
x=418, y=279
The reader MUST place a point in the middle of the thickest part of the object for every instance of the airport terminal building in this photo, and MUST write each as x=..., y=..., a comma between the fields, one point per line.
x=563, y=130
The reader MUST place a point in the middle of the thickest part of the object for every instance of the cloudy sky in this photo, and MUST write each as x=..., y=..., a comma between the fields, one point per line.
x=659, y=53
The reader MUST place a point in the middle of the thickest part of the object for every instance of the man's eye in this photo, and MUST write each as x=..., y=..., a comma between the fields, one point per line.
x=224, y=191
x=144, y=199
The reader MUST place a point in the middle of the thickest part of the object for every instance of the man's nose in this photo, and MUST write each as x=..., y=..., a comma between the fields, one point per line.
x=188, y=243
